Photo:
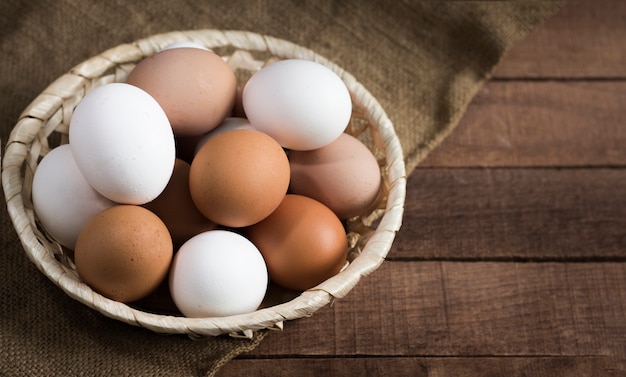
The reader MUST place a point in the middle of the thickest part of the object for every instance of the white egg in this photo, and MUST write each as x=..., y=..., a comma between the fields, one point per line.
x=123, y=143
x=62, y=198
x=218, y=273
x=229, y=124
x=300, y=103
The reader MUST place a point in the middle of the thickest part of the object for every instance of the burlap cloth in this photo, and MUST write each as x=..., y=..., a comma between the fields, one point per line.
x=422, y=60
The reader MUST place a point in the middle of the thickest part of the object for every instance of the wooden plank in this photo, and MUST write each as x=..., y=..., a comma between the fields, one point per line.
x=584, y=40
x=513, y=214
x=431, y=367
x=539, y=124
x=446, y=309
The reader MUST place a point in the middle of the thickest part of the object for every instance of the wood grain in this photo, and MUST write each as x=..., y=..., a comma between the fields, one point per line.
x=429, y=367
x=584, y=40
x=514, y=214
x=539, y=124
x=459, y=309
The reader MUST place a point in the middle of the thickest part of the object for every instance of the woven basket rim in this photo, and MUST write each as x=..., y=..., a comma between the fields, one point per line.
x=43, y=106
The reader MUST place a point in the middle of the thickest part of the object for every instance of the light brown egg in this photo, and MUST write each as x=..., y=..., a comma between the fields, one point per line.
x=124, y=252
x=176, y=209
x=343, y=175
x=195, y=87
x=302, y=241
x=239, y=177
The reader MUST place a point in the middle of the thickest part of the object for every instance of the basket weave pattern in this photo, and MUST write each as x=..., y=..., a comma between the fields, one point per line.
x=44, y=124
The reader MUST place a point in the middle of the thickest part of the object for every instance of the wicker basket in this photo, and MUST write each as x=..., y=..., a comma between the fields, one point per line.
x=44, y=125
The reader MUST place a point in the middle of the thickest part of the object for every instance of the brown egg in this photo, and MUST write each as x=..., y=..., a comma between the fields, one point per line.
x=176, y=209
x=343, y=175
x=303, y=243
x=124, y=252
x=239, y=177
x=195, y=87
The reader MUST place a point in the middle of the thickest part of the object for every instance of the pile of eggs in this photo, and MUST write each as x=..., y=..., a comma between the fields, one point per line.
x=178, y=178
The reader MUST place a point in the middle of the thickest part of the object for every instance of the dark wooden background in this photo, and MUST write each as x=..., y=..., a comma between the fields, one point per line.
x=511, y=258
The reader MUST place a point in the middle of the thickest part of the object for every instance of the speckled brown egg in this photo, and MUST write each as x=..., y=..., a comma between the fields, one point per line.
x=239, y=177
x=302, y=241
x=344, y=175
x=124, y=252
x=195, y=87
x=176, y=209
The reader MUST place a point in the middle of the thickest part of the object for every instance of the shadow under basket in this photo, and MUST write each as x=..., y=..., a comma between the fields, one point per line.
x=44, y=124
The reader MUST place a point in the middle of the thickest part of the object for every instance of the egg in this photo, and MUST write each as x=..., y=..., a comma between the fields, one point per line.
x=218, y=273
x=343, y=175
x=239, y=177
x=124, y=252
x=195, y=87
x=122, y=143
x=62, y=198
x=302, y=104
x=176, y=209
x=229, y=124
x=302, y=241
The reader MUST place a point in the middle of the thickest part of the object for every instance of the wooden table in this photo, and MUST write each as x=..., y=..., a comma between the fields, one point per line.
x=511, y=258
